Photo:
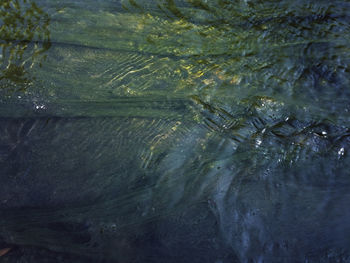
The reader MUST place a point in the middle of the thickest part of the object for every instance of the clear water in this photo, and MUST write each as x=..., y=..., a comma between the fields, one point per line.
x=174, y=131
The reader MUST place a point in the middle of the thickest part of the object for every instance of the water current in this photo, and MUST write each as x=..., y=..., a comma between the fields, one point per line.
x=174, y=131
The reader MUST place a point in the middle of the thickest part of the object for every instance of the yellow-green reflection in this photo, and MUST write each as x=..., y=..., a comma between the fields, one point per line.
x=24, y=36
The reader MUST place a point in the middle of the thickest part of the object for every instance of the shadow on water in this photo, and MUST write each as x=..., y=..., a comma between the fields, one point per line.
x=24, y=37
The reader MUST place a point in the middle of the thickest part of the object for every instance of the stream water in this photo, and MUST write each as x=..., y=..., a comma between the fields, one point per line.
x=175, y=131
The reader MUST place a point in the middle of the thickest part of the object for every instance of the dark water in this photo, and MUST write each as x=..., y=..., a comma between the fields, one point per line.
x=174, y=131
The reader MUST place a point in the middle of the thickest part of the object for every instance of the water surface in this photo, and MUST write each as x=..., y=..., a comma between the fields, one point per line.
x=174, y=131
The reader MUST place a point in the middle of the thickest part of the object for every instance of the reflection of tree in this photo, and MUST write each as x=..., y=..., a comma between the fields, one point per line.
x=24, y=35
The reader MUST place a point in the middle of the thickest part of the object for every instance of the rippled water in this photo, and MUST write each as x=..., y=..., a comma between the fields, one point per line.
x=174, y=131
